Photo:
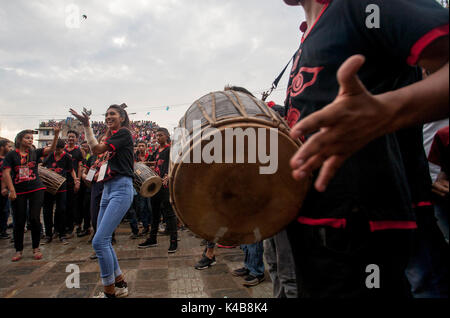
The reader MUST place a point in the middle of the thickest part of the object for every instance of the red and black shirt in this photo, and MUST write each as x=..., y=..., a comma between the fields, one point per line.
x=373, y=181
x=24, y=170
x=139, y=158
x=77, y=157
x=120, y=158
x=63, y=166
x=162, y=157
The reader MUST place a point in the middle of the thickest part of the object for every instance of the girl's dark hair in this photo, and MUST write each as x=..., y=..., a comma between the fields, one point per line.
x=123, y=114
x=3, y=142
x=20, y=136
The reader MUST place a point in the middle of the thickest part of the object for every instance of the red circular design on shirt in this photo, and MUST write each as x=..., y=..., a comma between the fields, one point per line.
x=293, y=116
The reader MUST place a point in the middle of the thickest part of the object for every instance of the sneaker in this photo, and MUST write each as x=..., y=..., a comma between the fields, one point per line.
x=240, y=272
x=162, y=227
x=64, y=241
x=251, y=280
x=173, y=246
x=104, y=295
x=93, y=256
x=150, y=242
x=205, y=262
x=47, y=240
x=134, y=236
x=4, y=236
x=84, y=233
x=69, y=235
x=122, y=292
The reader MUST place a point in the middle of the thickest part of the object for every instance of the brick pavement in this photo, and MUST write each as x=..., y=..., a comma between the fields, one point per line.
x=150, y=273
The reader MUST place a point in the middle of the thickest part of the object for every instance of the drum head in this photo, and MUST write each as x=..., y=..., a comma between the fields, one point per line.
x=234, y=204
x=150, y=187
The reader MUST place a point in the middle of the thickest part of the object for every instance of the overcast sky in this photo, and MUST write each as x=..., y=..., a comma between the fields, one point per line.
x=149, y=54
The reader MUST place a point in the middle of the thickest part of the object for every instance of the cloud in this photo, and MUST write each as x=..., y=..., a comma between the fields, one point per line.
x=147, y=53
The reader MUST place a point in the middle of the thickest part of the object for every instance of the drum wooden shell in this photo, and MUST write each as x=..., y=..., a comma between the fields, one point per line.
x=146, y=182
x=233, y=203
x=52, y=180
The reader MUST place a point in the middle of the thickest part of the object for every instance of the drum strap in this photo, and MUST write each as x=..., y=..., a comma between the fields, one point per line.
x=277, y=80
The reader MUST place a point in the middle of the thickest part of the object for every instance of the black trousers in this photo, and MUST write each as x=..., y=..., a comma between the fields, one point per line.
x=337, y=263
x=82, y=212
x=59, y=217
x=161, y=204
x=71, y=207
x=34, y=200
x=3, y=214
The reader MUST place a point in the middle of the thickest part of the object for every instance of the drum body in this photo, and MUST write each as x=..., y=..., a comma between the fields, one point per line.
x=52, y=180
x=146, y=182
x=233, y=202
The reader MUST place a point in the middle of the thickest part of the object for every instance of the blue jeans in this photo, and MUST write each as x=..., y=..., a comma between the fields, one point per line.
x=254, y=258
x=116, y=199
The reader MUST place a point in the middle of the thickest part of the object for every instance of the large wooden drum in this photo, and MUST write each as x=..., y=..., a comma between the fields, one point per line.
x=52, y=180
x=146, y=182
x=233, y=203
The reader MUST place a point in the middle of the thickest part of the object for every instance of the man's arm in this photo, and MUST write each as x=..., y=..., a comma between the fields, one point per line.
x=356, y=117
x=52, y=148
x=6, y=179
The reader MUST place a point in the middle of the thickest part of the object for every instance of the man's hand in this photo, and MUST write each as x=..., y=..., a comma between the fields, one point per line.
x=12, y=195
x=57, y=129
x=77, y=185
x=441, y=188
x=343, y=127
x=165, y=180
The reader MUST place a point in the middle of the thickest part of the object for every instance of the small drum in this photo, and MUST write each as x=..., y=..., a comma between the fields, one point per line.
x=232, y=202
x=52, y=180
x=146, y=182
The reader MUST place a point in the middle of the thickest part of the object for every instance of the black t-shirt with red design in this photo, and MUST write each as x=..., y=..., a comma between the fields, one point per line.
x=139, y=158
x=162, y=157
x=121, y=156
x=63, y=167
x=24, y=170
x=373, y=180
x=77, y=157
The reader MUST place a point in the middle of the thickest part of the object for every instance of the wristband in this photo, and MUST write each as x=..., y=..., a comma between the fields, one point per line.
x=92, y=142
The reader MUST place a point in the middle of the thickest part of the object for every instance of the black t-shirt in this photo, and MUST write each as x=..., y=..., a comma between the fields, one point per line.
x=162, y=157
x=137, y=159
x=77, y=157
x=121, y=159
x=63, y=167
x=1, y=167
x=372, y=181
x=24, y=170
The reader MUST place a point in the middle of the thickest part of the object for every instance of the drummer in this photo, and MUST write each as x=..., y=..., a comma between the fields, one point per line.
x=61, y=163
x=161, y=201
x=20, y=174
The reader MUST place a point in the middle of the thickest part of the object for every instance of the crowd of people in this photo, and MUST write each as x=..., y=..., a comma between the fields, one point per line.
x=374, y=206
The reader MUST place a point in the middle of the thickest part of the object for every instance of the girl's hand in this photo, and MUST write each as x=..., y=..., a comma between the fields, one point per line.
x=84, y=118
